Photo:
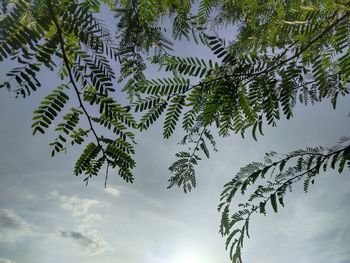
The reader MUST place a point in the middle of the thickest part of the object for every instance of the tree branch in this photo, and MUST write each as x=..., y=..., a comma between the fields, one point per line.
x=72, y=81
x=252, y=76
x=303, y=49
x=243, y=230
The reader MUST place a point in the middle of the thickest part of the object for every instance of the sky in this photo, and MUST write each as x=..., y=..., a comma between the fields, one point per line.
x=49, y=215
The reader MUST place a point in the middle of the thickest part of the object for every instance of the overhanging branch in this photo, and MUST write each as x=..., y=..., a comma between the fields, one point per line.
x=72, y=81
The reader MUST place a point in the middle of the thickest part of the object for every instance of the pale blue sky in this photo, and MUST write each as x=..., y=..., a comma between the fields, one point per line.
x=47, y=215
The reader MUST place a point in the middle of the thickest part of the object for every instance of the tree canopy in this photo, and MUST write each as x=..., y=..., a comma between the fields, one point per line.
x=284, y=53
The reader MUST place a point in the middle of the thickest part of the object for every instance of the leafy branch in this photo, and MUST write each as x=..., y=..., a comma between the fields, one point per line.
x=303, y=163
x=303, y=49
x=183, y=169
x=72, y=81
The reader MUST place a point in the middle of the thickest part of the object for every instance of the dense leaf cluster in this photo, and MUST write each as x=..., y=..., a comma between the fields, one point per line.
x=260, y=83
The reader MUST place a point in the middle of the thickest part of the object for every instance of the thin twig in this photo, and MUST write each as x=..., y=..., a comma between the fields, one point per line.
x=106, y=177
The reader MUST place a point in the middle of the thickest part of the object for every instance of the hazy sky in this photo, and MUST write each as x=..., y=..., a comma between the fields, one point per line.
x=47, y=215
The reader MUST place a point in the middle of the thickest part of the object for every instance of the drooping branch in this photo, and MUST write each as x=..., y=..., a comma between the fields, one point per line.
x=276, y=190
x=72, y=81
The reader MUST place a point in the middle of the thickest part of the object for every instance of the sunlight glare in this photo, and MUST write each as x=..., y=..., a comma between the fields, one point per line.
x=189, y=258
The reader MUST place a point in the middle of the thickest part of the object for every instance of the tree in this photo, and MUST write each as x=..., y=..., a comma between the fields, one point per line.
x=285, y=52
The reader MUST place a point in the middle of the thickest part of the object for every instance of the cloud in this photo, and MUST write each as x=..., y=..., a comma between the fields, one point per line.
x=77, y=205
x=13, y=226
x=80, y=210
x=86, y=236
x=80, y=238
x=90, y=243
x=6, y=260
x=112, y=191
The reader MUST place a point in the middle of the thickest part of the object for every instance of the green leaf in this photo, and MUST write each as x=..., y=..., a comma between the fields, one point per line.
x=262, y=208
x=273, y=202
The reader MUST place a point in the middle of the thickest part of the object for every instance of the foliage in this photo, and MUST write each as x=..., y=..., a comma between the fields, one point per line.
x=285, y=53
x=68, y=38
x=260, y=83
x=276, y=177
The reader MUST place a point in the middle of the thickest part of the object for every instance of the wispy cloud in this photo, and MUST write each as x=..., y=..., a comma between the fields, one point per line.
x=6, y=260
x=12, y=226
x=78, y=206
x=112, y=191
x=90, y=243
x=87, y=237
